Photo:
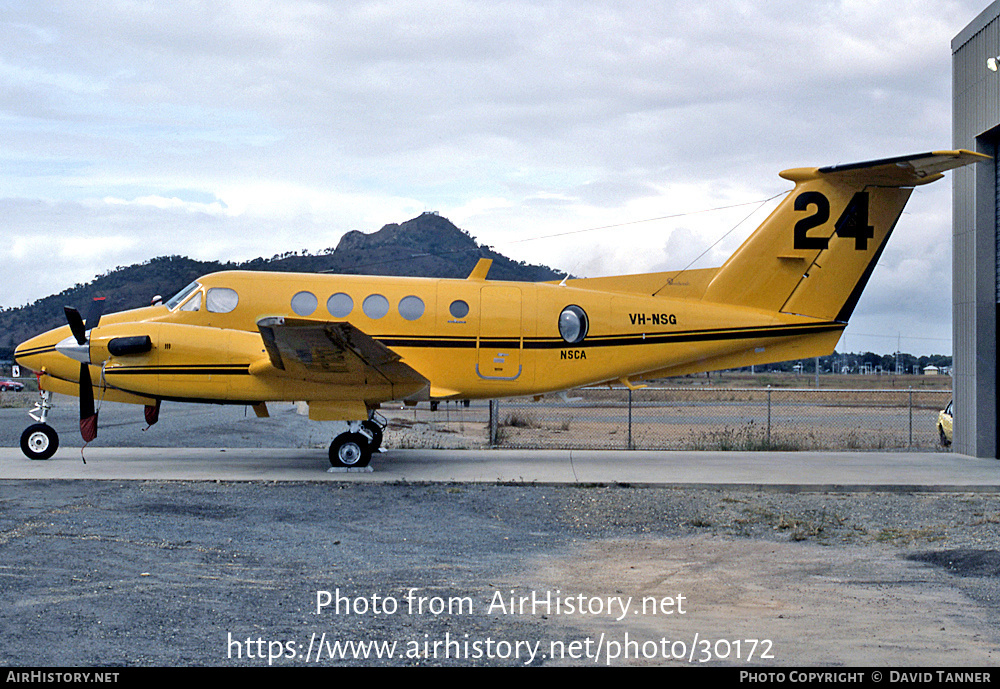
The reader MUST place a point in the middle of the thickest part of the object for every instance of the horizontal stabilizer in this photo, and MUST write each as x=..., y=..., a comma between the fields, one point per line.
x=901, y=171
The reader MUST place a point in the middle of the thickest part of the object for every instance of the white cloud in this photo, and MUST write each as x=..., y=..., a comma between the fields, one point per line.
x=164, y=203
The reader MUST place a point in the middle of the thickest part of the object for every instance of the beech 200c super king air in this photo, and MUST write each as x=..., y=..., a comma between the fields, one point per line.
x=346, y=344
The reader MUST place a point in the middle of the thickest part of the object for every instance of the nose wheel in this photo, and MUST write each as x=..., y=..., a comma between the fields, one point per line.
x=39, y=441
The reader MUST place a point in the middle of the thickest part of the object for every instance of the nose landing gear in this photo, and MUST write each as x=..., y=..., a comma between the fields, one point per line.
x=40, y=440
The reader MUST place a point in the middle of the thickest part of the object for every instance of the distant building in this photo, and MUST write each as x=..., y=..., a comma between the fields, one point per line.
x=931, y=370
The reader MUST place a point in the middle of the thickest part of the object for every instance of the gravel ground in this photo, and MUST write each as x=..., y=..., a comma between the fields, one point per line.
x=161, y=573
x=109, y=573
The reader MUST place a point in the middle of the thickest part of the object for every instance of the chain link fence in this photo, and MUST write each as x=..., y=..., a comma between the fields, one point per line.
x=688, y=418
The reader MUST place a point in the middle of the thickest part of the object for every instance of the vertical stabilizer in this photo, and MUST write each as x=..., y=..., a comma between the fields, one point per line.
x=814, y=254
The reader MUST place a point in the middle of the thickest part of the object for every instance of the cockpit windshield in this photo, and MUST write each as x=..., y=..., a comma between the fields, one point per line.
x=182, y=295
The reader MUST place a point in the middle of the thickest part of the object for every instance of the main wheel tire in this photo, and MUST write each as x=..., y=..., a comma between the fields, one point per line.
x=350, y=450
x=39, y=441
x=376, y=432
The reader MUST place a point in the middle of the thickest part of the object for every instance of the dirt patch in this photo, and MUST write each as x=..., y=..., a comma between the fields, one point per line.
x=803, y=604
x=685, y=418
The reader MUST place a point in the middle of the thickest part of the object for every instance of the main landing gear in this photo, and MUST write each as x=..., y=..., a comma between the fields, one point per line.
x=40, y=440
x=355, y=447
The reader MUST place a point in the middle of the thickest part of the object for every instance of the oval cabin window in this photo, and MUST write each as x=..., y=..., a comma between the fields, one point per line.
x=375, y=306
x=411, y=308
x=304, y=303
x=340, y=305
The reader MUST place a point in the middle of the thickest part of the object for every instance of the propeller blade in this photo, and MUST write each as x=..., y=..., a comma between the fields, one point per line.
x=95, y=312
x=88, y=415
x=152, y=413
x=76, y=325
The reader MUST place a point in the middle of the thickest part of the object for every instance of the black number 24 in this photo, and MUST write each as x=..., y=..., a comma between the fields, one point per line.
x=852, y=224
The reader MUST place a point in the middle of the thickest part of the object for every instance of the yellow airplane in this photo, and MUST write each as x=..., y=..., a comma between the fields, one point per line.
x=346, y=344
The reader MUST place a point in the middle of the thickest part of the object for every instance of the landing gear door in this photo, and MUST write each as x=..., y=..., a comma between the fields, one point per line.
x=500, y=338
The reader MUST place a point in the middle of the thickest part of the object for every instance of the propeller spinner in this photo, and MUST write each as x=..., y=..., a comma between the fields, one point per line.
x=78, y=345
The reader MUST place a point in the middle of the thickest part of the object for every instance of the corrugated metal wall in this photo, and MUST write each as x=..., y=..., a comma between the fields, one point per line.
x=976, y=250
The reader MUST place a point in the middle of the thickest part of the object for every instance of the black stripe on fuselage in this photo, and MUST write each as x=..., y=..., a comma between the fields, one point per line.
x=200, y=370
x=622, y=340
x=540, y=343
x=34, y=351
x=428, y=341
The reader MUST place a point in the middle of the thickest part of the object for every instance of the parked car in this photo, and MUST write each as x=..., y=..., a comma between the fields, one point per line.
x=8, y=384
x=945, y=418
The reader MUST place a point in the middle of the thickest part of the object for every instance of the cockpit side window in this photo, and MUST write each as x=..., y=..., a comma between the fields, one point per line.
x=193, y=304
x=179, y=298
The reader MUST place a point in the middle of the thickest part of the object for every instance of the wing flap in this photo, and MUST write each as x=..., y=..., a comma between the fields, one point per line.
x=334, y=351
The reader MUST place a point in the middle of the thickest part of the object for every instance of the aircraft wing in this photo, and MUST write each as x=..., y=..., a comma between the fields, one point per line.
x=336, y=352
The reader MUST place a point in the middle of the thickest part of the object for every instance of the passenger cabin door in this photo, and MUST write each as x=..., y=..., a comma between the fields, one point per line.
x=499, y=333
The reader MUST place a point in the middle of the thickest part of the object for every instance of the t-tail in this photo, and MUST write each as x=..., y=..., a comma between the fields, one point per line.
x=814, y=254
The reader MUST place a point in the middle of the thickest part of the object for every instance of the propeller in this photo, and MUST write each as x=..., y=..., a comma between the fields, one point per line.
x=88, y=414
x=77, y=346
x=80, y=328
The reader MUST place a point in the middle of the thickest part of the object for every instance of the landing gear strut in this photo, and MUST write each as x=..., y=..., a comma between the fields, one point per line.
x=376, y=426
x=40, y=440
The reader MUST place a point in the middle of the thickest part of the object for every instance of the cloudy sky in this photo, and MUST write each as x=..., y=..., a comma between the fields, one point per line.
x=230, y=130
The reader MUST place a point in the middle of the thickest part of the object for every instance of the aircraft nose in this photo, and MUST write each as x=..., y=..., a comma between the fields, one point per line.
x=40, y=354
x=32, y=353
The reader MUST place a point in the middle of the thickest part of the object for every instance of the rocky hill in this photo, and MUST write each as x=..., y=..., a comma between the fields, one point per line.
x=426, y=246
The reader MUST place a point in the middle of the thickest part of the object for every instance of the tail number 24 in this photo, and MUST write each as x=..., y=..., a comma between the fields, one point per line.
x=853, y=222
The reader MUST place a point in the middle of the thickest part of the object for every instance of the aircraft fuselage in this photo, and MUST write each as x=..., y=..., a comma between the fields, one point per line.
x=469, y=338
